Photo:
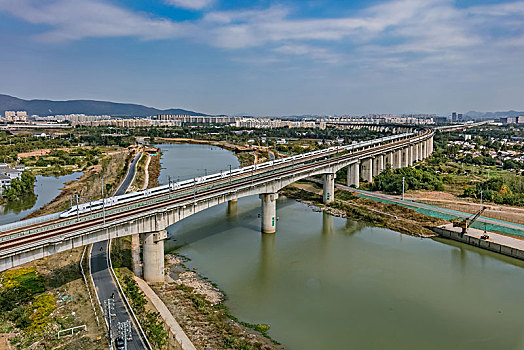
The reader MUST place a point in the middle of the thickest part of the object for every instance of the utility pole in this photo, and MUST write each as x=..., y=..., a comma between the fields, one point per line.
x=230, y=175
x=109, y=313
x=77, y=209
x=124, y=330
x=103, y=201
x=403, y=187
x=481, y=199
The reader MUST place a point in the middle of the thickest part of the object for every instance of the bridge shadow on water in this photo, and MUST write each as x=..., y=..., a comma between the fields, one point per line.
x=213, y=221
x=217, y=220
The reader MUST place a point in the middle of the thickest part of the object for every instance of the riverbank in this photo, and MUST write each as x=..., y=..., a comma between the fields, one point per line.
x=112, y=168
x=198, y=305
x=246, y=155
x=222, y=144
x=379, y=214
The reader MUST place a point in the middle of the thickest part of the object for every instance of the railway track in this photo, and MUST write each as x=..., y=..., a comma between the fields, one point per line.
x=181, y=196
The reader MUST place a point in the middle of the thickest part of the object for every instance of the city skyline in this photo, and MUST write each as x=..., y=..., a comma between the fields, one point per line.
x=275, y=58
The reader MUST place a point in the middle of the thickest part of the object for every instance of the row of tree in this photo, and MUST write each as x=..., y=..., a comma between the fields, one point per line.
x=508, y=189
x=390, y=181
x=19, y=187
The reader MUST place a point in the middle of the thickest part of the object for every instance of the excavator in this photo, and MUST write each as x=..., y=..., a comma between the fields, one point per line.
x=467, y=222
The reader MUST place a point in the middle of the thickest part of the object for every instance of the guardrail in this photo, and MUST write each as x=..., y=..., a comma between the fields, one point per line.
x=306, y=159
x=128, y=305
x=72, y=329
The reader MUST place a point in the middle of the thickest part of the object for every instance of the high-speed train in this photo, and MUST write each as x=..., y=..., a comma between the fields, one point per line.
x=174, y=186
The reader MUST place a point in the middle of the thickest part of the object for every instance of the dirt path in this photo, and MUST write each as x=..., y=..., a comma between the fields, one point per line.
x=146, y=172
x=166, y=315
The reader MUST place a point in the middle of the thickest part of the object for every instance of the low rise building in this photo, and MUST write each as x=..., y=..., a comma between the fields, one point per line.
x=10, y=172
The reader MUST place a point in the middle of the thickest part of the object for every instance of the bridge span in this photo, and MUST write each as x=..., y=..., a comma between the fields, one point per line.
x=146, y=214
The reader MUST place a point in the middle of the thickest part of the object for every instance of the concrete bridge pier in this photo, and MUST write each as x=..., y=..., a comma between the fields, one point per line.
x=397, y=159
x=405, y=157
x=380, y=164
x=328, y=192
x=410, y=155
x=135, y=253
x=269, y=212
x=154, y=256
x=390, y=159
x=353, y=175
x=367, y=170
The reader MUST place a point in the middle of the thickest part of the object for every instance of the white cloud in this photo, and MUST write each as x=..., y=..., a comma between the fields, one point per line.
x=77, y=19
x=306, y=51
x=394, y=31
x=190, y=4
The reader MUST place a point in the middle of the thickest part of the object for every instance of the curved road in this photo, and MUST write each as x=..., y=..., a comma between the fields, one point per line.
x=104, y=284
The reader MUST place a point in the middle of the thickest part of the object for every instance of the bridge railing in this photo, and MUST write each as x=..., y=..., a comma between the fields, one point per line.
x=177, y=194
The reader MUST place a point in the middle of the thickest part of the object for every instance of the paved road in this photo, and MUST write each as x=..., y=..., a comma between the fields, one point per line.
x=104, y=283
x=129, y=176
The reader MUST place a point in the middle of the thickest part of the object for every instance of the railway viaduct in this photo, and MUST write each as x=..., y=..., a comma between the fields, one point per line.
x=146, y=220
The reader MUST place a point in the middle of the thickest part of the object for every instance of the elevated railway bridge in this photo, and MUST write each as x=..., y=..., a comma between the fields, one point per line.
x=146, y=214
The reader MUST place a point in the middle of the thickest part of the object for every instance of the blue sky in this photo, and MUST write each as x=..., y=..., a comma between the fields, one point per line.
x=268, y=57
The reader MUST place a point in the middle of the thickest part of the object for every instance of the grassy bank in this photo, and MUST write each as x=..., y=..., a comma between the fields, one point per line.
x=198, y=305
x=154, y=327
x=206, y=321
x=112, y=168
x=154, y=170
x=41, y=298
x=391, y=216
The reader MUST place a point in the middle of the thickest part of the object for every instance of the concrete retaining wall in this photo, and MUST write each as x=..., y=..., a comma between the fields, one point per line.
x=481, y=243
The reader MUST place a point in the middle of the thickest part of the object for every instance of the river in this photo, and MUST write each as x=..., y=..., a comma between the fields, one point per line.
x=46, y=189
x=324, y=282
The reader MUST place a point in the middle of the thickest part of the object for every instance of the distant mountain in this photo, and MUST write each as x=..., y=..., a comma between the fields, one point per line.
x=46, y=107
x=492, y=115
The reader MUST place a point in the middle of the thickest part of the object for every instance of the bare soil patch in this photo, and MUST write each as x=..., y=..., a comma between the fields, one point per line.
x=63, y=280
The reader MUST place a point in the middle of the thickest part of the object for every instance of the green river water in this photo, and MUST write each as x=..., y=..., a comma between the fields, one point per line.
x=324, y=282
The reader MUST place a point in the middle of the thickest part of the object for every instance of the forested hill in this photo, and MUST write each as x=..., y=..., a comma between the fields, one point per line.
x=89, y=107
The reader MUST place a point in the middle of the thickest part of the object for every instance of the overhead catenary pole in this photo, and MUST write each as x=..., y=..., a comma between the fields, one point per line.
x=103, y=201
x=77, y=208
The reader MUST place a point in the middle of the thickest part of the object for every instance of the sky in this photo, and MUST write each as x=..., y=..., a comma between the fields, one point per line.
x=265, y=57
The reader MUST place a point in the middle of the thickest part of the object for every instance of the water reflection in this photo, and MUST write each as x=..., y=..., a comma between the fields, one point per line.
x=323, y=282
x=23, y=203
x=266, y=263
x=327, y=225
x=232, y=208
x=46, y=189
